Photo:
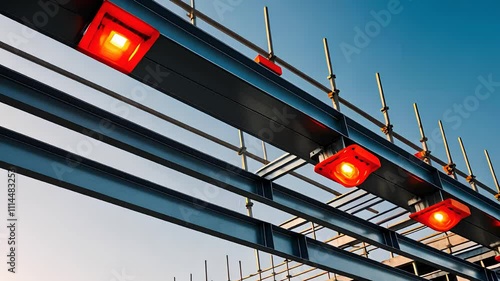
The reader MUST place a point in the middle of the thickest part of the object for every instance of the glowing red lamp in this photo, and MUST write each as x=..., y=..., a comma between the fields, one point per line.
x=268, y=64
x=350, y=166
x=117, y=38
x=420, y=155
x=442, y=216
x=497, y=258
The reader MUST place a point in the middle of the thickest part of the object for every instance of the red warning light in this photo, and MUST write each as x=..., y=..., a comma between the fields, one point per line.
x=349, y=167
x=117, y=38
x=497, y=258
x=420, y=155
x=268, y=64
x=442, y=216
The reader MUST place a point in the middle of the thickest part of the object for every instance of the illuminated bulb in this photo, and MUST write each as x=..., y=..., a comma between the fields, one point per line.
x=118, y=40
x=439, y=217
x=348, y=170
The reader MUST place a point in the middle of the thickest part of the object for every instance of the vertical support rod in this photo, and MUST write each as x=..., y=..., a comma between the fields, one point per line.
x=268, y=34
x=264, y=152
x=192, y=15
x=423, y=139
x=249, y=203
x=450, y=168
x=242, y=151
x=415, y=269
x=190, y=276
x=334, y=94
x=273, y=267
x=365, y=252
x=470, y=178
x=241, y=271
x=288, y=276
x=313, y=227
x=449, y=246
x=227, y=267
x=206, y=271
x=492, y=170
x=387, y=130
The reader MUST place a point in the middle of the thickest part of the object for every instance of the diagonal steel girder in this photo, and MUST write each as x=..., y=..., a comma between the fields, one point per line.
x=214, y=78
x=39, y=99
x=36, y=159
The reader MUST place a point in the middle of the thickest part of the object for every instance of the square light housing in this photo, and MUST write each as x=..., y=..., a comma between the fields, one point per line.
x=117, y=38
x=350, y=166
x=442, y=216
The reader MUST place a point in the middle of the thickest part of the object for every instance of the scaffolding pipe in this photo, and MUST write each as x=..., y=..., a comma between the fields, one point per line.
x=492, y=170
x=450, y=168
x=334, y=94
x=423, y=139
x=470, y=178
x=192, y=14
x=387, y=129
x=268, y=34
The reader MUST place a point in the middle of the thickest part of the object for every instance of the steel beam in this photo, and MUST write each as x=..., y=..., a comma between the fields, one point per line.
x=32, y=96
x=37, y=160
x=260, y=103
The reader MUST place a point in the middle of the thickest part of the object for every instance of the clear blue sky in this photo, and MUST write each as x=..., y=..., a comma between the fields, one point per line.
x=440, y=54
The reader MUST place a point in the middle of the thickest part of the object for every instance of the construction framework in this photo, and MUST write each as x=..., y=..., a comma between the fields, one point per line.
x=402, y=177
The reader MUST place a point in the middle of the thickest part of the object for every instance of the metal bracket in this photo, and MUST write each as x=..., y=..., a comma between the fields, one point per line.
x=419, y=203
x=449, y=169
x=471, y=179
x=387, y=129
x=332, y=94
x=242, y=150
x=320, y=154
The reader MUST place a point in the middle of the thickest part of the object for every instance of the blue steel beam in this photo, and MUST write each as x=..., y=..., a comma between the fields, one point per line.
x=60, y=108
x=203, y=72
x=249, y=94
x=37, y=160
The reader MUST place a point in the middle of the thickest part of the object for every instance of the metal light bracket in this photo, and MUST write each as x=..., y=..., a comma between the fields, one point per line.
x=419, y=203
x=321, y=153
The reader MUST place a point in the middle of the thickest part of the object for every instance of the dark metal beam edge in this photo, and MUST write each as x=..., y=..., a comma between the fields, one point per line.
x=67, y=111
